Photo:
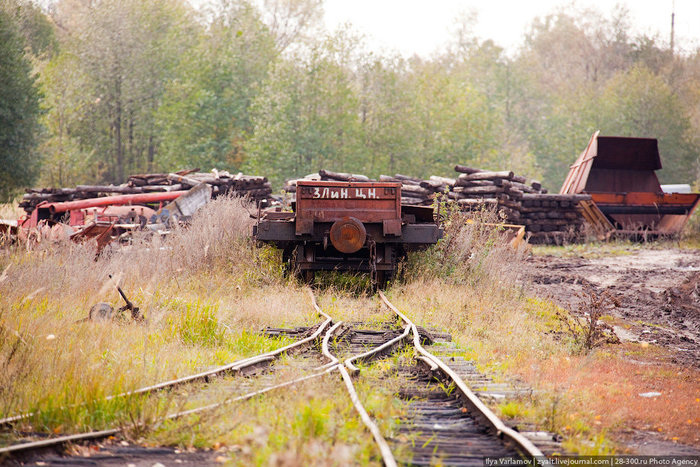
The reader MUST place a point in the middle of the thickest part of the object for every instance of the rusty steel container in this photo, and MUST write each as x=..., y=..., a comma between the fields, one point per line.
x=620, y=175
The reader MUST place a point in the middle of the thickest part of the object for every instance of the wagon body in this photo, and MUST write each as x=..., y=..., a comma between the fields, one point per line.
x=348, y=226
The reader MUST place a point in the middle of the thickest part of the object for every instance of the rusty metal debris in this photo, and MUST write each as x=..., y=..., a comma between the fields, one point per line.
x=108, y=213
x=103, y=311
x=135, y=313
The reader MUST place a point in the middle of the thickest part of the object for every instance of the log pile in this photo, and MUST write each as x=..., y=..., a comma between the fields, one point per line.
x=223, y=183
x=419, y=192
x=549, y=218
x=552, y=218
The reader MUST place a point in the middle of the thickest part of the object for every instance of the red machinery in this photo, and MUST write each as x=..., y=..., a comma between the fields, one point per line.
x=107, y=207
x=619, y=174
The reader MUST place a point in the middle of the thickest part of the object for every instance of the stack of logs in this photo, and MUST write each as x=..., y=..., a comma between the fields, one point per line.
x=418, y=192
x=256, y=188
x=549, y=218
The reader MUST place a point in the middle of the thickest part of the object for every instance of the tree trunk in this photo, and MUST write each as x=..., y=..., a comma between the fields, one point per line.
x=119, y=150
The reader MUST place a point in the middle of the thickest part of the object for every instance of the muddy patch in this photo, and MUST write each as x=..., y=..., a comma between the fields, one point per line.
x=657, y=293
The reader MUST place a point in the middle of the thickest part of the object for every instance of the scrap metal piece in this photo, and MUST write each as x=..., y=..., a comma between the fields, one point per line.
x=100, y=231
x=135, y=313
x=101, y=312
x=186, y=205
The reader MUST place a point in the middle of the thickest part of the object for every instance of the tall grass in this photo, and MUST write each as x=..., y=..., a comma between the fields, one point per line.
x=198, y=287
x=469, y=285
x=474, y=250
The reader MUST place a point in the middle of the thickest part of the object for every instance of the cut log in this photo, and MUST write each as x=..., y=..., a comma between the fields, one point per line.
x=478, y=190
x=415, y=189
x=468, y=183
x=445, y=180
x=486, y=176
x=433, y=185
x=407, y=177
x=341, y=176
x=466, y=170
x=183, y=179
x=411, y=201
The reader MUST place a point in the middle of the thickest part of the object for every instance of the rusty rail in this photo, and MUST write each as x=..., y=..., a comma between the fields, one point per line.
x=384, y=448
x=479, y=409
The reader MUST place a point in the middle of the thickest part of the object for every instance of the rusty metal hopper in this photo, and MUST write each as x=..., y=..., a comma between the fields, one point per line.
x=619, y=174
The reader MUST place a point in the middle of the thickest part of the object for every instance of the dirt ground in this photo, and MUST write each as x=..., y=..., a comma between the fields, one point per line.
x=656, y=294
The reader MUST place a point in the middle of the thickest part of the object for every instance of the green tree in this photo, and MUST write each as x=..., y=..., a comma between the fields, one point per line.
x=640, y=103
x=19, y=111
x=387, y=121
x=306, y=117
x=65, y=161
x=566, y=61
x=205, y=113
x=124, y=53
x=454, y=121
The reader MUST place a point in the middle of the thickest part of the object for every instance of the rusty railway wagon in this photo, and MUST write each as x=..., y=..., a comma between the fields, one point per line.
x=347, y=226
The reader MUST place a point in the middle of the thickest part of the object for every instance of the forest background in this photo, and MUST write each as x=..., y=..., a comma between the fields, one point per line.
x=94, y=90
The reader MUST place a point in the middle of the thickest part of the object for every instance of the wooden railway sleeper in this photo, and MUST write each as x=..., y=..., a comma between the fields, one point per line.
x=477, y=408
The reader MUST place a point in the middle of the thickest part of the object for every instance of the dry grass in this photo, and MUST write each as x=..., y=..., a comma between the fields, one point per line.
x=601, y=393
x=199, y=289
x=311, y=423
x=206, y=290
x=467, y=285
x=11, y=211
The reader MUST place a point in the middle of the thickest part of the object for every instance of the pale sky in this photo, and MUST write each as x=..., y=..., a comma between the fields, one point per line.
x=422, y=26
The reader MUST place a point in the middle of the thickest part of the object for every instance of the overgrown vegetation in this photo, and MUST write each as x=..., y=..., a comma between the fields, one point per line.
x=474, y=250
x=586, y=329
x=206, y=291
x=470, y=285
x=197, y=288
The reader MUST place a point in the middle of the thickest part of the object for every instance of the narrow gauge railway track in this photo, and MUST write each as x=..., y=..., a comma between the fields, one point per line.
x=456, y=428
x=313, y=364
x=458, y=437
x=244, y=366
